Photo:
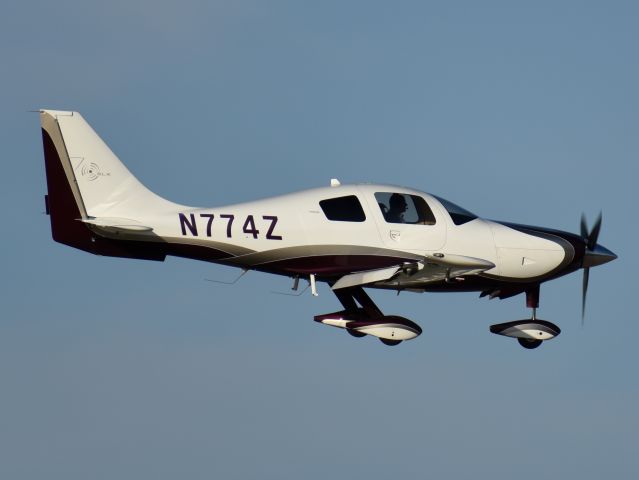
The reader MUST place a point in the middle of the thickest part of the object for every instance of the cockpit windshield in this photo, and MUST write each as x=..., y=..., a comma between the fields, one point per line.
x=457, y=213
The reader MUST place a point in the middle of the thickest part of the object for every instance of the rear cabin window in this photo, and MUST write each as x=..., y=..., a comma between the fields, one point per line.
x=404, y=208
x=343, y=209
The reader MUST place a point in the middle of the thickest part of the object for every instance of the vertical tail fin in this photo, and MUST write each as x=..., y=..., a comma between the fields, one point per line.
x=84, y=180
x=105, y=185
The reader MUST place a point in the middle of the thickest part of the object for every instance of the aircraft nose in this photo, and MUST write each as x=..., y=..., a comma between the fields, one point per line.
x=598, y=256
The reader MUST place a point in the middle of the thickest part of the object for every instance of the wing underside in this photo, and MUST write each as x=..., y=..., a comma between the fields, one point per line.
x=417, y=275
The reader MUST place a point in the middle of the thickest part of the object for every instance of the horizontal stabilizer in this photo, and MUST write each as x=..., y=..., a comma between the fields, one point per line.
x=116, y=225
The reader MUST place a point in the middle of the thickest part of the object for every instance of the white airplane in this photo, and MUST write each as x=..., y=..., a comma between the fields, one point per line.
x=349, y=236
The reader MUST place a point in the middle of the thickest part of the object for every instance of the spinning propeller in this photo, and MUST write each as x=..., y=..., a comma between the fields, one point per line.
x=594, y=255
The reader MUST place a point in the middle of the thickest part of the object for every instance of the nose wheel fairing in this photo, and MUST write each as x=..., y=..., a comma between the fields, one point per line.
x=527, y=329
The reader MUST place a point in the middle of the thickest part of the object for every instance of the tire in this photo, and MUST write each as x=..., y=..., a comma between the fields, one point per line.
x=355, y=333
x=529, y=343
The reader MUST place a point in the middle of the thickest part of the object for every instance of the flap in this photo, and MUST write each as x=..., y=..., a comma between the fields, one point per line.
x=362, y=278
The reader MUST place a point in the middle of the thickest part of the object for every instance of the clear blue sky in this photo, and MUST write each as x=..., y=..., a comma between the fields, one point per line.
x=521, y=111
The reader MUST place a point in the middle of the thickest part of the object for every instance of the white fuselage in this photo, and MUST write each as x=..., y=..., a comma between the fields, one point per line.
x=295, y=220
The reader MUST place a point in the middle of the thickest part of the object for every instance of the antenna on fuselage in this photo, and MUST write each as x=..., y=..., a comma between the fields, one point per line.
x=244, y=271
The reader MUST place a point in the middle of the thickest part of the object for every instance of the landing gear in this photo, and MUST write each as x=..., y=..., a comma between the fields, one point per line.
x=362, y=317
x=532, y=332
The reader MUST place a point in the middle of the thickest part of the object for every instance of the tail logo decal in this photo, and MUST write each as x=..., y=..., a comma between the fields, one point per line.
x=92, y=172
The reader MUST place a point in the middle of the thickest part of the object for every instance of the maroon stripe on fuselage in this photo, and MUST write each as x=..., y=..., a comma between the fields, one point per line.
x=331, y=264
x=195, y=252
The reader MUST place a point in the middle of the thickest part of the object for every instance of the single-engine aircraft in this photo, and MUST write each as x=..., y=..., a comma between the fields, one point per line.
x=349, y=236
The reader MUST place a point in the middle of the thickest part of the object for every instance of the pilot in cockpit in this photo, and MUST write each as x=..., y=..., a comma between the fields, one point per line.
x=398, y=206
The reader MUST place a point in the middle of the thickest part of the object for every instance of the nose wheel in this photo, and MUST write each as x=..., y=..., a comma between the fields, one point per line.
x=529, y=343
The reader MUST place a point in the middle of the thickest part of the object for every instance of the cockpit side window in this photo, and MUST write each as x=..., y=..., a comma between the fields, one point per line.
x=343, y=209
x=404, y=208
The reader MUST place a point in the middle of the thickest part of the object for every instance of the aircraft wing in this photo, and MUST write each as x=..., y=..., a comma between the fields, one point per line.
x=431, y=269
x=438, y=268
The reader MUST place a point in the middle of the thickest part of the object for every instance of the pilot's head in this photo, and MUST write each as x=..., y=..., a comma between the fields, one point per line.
x=397, y=203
